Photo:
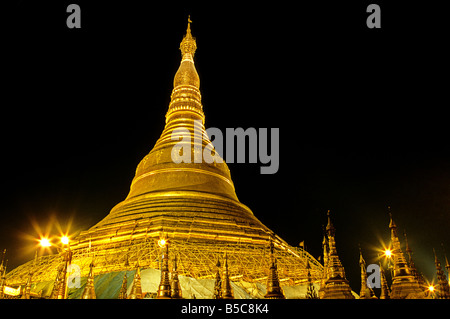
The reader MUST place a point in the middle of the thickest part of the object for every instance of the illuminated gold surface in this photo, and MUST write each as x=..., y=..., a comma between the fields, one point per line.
x=404, y=285
x=334, y=284
x=192, y=205
x=185, y=200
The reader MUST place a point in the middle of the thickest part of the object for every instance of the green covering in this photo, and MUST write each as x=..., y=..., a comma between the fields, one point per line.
x=107, y=286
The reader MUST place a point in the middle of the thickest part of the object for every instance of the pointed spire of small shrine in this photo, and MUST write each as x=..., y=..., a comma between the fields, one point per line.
x=362, y=264
x=443, y=289
x=325, y=274
x=447, y=265
x=164, y=288
x=311, y=290
x=412, y=266
x=124, y=287
x=366, y=292
x=136, y=290
x=89, y=289
x=218, y=282
x=384, y=285
x=3, y=264
x=404, y=284
x=335, y=286
x=3, y=267
x=188, y=45
x=274, y=290
x=227, y=291
x=175, y=290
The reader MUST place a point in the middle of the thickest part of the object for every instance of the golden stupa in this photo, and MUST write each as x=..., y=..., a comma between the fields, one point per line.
x=191, y=205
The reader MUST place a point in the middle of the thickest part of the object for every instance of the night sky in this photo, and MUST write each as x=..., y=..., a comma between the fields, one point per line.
x=361, y=113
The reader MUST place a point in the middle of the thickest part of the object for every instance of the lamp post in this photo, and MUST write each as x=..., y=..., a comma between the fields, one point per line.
x=388, y=254
x=64, y=249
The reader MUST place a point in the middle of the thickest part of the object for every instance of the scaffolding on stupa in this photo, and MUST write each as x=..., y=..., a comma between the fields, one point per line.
x=196, y=259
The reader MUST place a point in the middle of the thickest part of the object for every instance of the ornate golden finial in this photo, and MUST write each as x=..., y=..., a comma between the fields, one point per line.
x=188, y=44
x=189, y=24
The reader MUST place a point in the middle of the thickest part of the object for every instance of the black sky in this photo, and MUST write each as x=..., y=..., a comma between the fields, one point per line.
x=361, y=113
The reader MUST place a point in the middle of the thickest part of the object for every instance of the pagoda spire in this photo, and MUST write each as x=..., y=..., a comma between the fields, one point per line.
x=218, y=282
x=164, y=288
x=362, y=264
x=412, y=266
x=365, y=292
x=89, y=289
x=188, y=45
x=3, y=267
x=447, y=266
x=136, y=290
x=325, y=274
x=384, y=285
x=311, y=290
x=443, y=290
x=274, y=290
x=404, y=285
x=227, y=291
x=199, y=186
x=124, y=287
x=336, y=285
x=175, y=290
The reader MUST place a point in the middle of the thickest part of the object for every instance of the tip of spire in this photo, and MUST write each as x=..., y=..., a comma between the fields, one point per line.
x=188, y=45
x=391, y=221
x=361, y=259
x=188, y=29
x=330, y=226
x=436, y=260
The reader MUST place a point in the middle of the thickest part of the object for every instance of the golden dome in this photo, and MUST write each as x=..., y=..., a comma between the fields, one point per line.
x=194, y=200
